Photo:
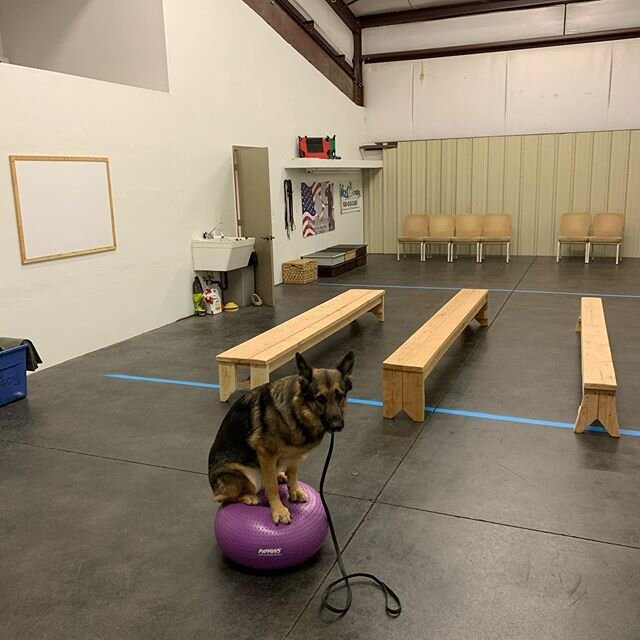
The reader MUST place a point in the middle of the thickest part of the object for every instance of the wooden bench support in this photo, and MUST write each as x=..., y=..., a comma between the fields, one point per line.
x=271, y=349
x=259, y=375
x=392, y=393
x=227, y=376
x=483, y=315
x=404, y=371
x=229, y=382
x=599, y=383
x=600, y=406
x=413, y=395
x=378, y=311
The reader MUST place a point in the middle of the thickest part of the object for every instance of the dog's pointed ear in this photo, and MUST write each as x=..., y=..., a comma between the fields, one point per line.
x=346, y=365
x=304, y=370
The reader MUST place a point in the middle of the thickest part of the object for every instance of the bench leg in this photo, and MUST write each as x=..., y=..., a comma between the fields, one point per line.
x=601, y=406
x=608, y=413
x=259, y=375
x=413, y=395
x=588, y=411
x=378, y=311
x=483, y=315
x=391, y=393
x=227, y=375
x=579, y=325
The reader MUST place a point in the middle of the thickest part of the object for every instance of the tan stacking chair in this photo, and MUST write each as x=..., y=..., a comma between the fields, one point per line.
x=607, y=228
x=468, y=231
x=415, y=229
x=574, y=229
x=441, y=231
x=496, y=229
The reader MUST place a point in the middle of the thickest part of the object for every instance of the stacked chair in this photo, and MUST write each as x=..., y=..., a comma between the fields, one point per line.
x=574, y=229
x=415, y=229
x=607, y=229
x=441, y=231
x=496, y=230
x=588, y=230
x=470, y=229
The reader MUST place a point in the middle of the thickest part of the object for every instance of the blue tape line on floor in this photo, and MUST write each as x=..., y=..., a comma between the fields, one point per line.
x=377, y=403
x=436, y=288
x=185, y=383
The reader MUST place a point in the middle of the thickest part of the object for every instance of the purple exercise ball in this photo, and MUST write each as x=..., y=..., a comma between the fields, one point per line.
x=246, y=534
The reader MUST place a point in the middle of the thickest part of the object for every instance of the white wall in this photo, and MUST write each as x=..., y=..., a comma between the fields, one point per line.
x=592, y=87
x=587, y=87
x=115, y=40
x=170, y=166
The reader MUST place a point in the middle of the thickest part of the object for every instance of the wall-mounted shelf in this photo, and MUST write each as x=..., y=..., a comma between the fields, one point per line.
x=314, y=164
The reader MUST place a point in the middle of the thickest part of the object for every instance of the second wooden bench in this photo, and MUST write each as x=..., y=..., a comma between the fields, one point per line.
x=406, y=369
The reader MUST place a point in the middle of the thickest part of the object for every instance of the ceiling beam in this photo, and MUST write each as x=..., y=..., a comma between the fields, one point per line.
x=309, y=27
x=509, y=45
x=302, y=35
x=456, y=11
x=345, y=14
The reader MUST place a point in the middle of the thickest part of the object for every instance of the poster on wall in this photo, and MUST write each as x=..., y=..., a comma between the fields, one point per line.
x=350, y=199
x=317, y=208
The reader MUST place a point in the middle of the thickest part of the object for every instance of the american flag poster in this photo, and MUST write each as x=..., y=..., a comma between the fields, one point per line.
x=317, y=208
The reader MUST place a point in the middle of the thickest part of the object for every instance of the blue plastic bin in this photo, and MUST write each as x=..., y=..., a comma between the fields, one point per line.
x=13, y=374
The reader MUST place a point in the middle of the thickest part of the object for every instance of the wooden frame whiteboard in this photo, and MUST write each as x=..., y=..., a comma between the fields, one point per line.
x=64, y=206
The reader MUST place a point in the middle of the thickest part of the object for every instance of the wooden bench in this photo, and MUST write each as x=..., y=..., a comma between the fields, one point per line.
x=275, y=347
x=598, y=375
x=406, y=369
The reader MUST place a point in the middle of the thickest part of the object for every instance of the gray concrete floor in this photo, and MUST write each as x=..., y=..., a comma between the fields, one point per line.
x=487, y=528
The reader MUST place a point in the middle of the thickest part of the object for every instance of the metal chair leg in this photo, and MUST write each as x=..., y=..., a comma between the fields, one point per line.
x=398, y=250
x=617, y=254
x=558, y=252
x=587, y=252
x=508, y=252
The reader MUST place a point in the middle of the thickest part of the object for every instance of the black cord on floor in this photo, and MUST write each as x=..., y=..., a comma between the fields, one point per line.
x=389, y=594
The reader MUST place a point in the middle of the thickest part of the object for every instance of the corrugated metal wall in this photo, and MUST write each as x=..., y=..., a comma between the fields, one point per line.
x=535, y=178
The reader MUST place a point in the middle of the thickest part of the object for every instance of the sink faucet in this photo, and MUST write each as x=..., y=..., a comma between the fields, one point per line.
x=211, y=235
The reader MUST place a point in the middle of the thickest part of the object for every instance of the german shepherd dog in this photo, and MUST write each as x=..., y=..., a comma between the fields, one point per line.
x=271, y=429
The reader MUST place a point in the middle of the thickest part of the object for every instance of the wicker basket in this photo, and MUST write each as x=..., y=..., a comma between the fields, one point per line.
x=299, y=271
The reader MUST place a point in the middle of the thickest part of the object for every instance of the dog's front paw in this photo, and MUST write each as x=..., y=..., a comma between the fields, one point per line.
x=296, y=494
x=282, y=478
x=281, y=514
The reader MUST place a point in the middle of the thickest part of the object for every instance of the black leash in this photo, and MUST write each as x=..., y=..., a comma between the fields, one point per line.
x=393, y=611
x=289, y=224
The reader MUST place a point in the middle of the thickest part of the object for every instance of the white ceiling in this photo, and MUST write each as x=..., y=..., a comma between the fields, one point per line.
x=367, y=7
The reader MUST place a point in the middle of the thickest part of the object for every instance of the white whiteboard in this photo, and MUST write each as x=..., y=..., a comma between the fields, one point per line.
x=63, y=206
